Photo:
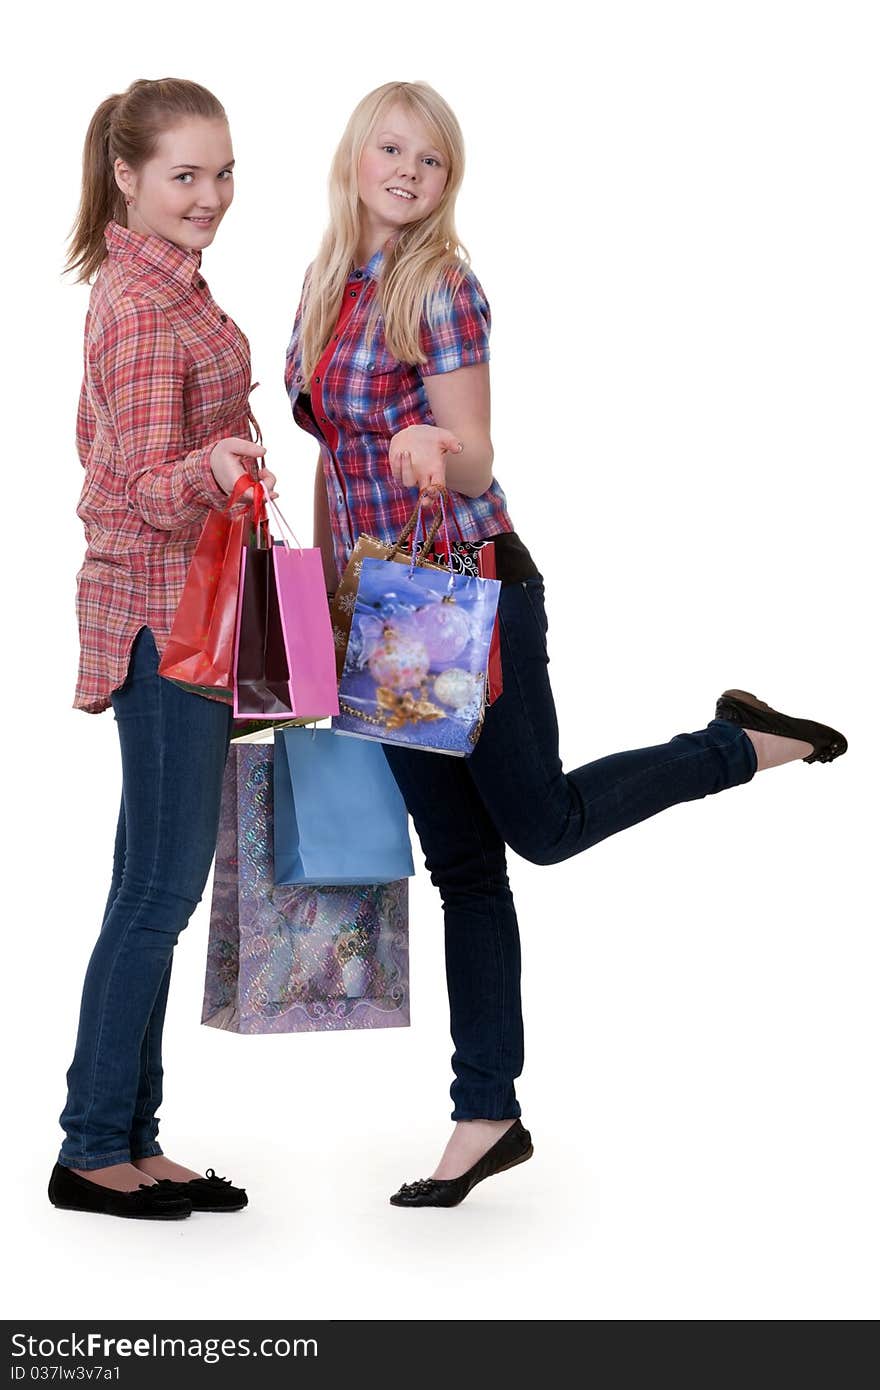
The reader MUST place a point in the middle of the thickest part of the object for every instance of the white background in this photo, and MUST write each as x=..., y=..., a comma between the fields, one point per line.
x=673, y=210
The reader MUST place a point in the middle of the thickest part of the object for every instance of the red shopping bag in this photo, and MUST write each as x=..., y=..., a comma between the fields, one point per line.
x=199, y=653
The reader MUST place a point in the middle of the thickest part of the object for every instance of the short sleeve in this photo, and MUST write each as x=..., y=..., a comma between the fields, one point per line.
x=455, y=332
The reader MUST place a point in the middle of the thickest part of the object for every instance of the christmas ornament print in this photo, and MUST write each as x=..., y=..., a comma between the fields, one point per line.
x=423, y=683
x=365, y=636
x=400, y=662
x=456, y=688
x=444, y=628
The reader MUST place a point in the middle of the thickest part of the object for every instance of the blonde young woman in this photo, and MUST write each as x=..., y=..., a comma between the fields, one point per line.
x=388, y=368
x=164, y=435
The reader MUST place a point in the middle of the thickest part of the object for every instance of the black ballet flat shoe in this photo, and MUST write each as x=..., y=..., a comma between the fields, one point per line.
x=743, y=708
x=148, y=1202
x=209, y=1193
x=514, y=1146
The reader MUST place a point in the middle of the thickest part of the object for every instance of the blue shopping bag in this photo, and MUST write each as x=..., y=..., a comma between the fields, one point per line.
x=417, y=658
x=339, y=817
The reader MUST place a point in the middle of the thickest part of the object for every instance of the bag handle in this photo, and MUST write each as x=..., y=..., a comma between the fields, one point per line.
x=242, y=483
x=283, y=524
x=439, y=520
x=400, y=543
x=454, y=515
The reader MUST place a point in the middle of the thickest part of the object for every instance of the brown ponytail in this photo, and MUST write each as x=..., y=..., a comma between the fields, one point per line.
x=126, y=126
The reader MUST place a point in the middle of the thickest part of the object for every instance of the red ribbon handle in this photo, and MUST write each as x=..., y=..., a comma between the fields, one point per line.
x=242, y=484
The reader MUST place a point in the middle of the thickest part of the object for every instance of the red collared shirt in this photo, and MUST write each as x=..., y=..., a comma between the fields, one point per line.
x=361, y=396
x=166, y=376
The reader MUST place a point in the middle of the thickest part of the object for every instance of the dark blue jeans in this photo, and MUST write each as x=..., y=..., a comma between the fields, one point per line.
x=174, y=748
x=512, y=791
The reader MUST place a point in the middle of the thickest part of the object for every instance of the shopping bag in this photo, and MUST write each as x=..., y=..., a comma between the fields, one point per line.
x=261, y=675
x=339, y=816
x=477, y=558
x=283, y=659
x=199, y=652
x=305, y=626
x=468, y=557
x=295, y=959
x=416, y=663
x=367, y=547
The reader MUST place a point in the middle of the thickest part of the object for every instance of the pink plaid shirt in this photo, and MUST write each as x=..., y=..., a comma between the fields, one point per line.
x=166, y=376
x=361, y=396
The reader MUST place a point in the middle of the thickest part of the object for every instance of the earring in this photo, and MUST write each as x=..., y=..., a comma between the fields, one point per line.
x=129, y=202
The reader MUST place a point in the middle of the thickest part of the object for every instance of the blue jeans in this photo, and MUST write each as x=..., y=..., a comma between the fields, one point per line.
x=174, y=747
x=512, y=791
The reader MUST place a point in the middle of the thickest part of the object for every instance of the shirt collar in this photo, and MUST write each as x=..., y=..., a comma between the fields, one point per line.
x=173, y=262
x=370, y=271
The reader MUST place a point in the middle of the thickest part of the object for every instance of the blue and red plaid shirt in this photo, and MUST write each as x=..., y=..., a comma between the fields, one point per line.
x=361, y=396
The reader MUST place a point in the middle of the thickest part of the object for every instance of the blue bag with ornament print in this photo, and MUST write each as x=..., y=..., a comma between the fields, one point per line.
x=417, y=658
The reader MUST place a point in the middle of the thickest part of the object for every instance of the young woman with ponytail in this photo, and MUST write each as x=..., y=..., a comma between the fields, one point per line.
x=164, y=435
x=388, y=368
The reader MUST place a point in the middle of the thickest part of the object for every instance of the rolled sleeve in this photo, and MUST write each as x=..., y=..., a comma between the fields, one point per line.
x=456, y=329
x=198, y=485
x=142, y=367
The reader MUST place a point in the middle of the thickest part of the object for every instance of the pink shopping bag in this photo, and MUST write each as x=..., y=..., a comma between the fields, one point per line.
x=284, y=635
x=308, y=634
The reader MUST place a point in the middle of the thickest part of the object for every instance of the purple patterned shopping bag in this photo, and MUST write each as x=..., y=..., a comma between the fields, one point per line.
x=298, y=959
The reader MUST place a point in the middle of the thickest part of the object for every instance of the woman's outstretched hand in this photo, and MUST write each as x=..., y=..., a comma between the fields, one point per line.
x=417, y=457
x=229, y=460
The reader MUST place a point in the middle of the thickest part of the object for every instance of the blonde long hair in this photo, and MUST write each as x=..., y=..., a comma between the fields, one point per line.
x=427, y=260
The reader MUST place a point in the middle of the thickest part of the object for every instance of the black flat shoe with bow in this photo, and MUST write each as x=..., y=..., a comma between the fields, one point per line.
x=209, y=1193
x=514, y=1146
x=148, y=1202
x=743, y=708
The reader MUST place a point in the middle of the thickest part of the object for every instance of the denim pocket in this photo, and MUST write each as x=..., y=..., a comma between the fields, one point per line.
x=533, y=592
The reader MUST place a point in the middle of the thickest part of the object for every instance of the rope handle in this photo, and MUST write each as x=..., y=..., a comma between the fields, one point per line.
x=400, y=544
x=439, y=520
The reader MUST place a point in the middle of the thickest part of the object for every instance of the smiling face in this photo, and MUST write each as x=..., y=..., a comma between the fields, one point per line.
x=401, y=176
x=183, y=191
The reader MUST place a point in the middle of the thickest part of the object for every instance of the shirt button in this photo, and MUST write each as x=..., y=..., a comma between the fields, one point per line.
x=222, y=318
x=201, y=284
x=323, y=419
x=353, y=293
x=359, y=275
x=317, y=378
x=336, y=337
